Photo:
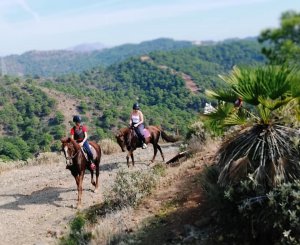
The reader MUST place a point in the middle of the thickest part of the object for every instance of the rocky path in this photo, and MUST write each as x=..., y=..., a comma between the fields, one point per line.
x=37, y=202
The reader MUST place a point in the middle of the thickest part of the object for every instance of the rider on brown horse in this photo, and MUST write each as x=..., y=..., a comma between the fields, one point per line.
x=137, y=122
x=79, y=133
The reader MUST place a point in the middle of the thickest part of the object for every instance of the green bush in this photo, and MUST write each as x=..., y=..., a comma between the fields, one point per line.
x=130, y=187
x=248, y=215
x=77, y=236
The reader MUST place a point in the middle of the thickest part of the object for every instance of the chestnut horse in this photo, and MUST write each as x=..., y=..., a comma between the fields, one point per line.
x=77, y=163
x=127, y=139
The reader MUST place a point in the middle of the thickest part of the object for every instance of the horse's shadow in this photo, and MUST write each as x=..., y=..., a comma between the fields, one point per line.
x=109, y=166
x=48, y=195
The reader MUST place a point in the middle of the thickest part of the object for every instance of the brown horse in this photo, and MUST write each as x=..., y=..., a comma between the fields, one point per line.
x=127, y=139
x=77, y=163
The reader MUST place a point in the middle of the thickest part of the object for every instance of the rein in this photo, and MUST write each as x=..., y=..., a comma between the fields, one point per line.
x=131, y=135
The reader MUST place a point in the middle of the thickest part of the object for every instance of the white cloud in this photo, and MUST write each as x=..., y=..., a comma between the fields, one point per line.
x=97, y=19
x=28, y=9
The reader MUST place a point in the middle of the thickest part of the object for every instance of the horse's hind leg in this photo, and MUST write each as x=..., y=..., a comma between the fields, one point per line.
x=155, y=152
x=161, y=153
x=96, y=184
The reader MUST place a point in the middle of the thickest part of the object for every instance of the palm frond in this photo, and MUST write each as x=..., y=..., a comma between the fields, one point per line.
x=264, y=114
x=226, y=95
x=236, y=117
x=215, y=119
x=273, y=104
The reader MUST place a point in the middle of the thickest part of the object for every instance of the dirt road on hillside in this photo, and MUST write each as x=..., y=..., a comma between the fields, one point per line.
x=37, y=202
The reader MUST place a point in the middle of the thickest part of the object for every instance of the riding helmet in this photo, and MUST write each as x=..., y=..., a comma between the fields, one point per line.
x=135, y=106
x=77, y=119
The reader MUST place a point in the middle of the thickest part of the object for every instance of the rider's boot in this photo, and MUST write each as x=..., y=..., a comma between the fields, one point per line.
x=144, y=145
x=92, y=164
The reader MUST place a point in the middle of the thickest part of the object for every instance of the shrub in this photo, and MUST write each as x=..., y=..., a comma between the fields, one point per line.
x=130, y=187
x=108, y=146
x=248, y=215
x=197, y=130
x=77, y=235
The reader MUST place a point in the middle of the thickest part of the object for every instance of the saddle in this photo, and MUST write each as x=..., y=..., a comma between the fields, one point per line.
x=146, y=134
x=86, y=155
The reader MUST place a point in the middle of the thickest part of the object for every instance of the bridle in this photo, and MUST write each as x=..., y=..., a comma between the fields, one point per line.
x=70, y=158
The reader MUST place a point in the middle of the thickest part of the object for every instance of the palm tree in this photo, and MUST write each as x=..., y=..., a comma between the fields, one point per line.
x=264, y=148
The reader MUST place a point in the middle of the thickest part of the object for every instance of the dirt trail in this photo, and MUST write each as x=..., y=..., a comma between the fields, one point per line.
x=66, y=104
x=189, y=83
x=37, y=202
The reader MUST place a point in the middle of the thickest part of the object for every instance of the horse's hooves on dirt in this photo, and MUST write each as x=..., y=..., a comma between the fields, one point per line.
x=95, y=190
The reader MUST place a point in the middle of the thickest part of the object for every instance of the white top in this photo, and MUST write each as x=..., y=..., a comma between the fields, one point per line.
x=135, y=118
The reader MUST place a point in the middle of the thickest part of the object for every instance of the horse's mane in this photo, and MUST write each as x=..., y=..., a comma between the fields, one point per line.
x=72, y=141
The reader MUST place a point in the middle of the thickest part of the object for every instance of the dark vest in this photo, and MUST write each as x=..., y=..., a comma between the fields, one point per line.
x=78, y=134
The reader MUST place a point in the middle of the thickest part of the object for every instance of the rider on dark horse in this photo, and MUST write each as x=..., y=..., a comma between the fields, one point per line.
x=137, y=122
x=79, y=133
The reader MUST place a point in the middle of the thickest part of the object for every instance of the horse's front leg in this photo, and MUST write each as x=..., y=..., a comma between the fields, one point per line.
x=80, y=182
x=132, y=158
x=130, y=155
x=77, y=181
x=127, y=159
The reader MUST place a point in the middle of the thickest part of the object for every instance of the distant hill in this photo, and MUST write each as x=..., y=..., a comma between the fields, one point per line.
x=58, y=62
x=87, y=47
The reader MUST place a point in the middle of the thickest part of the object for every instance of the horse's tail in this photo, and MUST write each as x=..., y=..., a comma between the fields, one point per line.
x=168, y=138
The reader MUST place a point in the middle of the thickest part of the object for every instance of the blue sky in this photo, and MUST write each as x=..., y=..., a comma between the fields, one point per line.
x=58, y=24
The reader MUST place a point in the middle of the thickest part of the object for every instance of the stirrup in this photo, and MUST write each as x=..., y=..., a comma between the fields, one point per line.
x=144, y=146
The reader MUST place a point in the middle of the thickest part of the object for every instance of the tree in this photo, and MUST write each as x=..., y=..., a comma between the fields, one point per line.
x=283, y=44
x=264, y=148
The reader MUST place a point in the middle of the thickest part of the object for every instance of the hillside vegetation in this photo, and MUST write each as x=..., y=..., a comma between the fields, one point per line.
x=105, y=95
x=29, y=121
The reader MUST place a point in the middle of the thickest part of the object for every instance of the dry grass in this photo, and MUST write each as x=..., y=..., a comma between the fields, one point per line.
x=42, y=158
x=109, y=147
x=112, y=227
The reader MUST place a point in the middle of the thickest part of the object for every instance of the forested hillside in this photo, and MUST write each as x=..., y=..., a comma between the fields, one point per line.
x=160, y=90
x=105, y=95
x=204, y=62
x=28, y=119
x=53, y=63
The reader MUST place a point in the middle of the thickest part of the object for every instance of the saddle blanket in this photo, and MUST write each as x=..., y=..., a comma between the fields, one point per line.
x=146, y=133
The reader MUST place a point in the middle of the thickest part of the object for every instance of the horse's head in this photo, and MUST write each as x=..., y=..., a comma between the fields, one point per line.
x=120, y=137
x=70, y=150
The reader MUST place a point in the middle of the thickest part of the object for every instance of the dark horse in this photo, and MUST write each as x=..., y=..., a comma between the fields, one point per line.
x=77, y=163
x=127, y=139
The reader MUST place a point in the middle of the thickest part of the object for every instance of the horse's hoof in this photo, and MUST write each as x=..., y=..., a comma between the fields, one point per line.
x=95, y=190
